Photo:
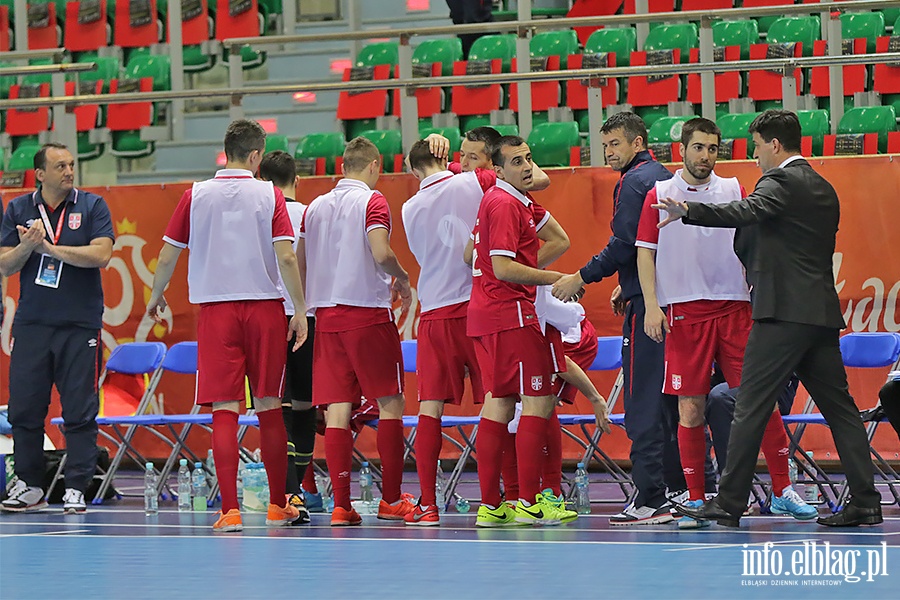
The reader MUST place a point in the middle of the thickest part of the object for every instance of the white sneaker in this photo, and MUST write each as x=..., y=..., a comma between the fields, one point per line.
x=73, y=502
x=23, y=498
x=644, y=515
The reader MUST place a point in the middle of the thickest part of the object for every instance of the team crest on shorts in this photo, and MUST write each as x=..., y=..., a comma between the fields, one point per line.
x=676, y=382
x=74, y=221
x=537, y=382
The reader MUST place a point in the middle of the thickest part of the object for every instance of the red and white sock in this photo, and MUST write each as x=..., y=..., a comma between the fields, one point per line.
x=390, y=449
x=428, y=452
x=692, y=448
x=510, y=467
x=339, y=457
x=489, y=447
x=531, y=438
x=225, y=453
x=273, y=446
x=552, y=471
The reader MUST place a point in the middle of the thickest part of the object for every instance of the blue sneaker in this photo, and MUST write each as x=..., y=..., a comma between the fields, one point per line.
x=314, y=502
x=688, y=522
x=790, y=503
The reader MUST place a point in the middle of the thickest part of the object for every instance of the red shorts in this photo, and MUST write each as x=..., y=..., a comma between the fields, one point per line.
x=444, y=354
x=515, y=362
x=361, y=362
x=234, y=339
x=692, y=348
x=582, y=353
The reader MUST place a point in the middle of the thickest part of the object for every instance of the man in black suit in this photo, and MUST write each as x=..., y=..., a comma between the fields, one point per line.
x=790, y=222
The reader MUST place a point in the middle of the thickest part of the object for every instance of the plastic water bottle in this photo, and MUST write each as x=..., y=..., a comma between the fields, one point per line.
x=582, y=498
x=462, y=505
x=211, y=467
x=811, y=492
x=365, y=487
x=240, y=480
x=184, y=486
x=151, y=500
x=792, y=471
x=440, y=487
x=199, y=487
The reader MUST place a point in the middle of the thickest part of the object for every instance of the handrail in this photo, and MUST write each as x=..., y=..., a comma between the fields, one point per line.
x=785, y=64
x=54, y=68
x=606, y=21
x=55, y=53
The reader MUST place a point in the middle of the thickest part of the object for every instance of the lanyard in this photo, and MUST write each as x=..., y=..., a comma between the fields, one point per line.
x=46, y=220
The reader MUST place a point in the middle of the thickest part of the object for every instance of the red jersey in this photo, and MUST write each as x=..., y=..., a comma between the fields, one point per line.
x=506, y=226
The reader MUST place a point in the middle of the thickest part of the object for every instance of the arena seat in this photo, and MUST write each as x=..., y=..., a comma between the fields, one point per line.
x=38, y=78
x=867, y=25
x=618, y=41
x=736, y=140
x=108, y=68
x=245, y=22
x=801, y=30
x=653, y=6
x=360, y=109
x=544, y=94
x=651, y=96
x=682, y=36
x=6, y=81
x=25, y=122
x=5, y=30
x=87, y=117
x=379, y=53
x=390, y=143
x=664, y=137
x=22, y=160
x=862, y=130
x=276, y=141
x=432, y=58
x=152, y=73
x=324, y=147
x=451, y=133
x=136, y=24
x=477, y=100
x=490, y=47
x=195, y=30
x=442, y=51
x=815, y=125
x=706, y=4
x=577, y=89
x=765, y=22
x=729, y=85
x=788, y=36
x=43, y=29
x=87, y=29
x=562, y=43
x=886, y=76
x=743, y=33
x=551, y=143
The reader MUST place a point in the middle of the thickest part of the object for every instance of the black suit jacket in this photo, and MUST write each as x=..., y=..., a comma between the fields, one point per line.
x=787, y=243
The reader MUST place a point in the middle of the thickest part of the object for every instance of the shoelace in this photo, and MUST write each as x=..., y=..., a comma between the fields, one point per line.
x=792, y=496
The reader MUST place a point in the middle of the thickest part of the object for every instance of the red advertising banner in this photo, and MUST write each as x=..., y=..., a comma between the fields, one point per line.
x=866, y=266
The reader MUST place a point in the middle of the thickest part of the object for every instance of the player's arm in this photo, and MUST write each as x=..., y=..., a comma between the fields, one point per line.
x=165, y=267
x=380, y=243
x=654, y=318
x=290, y=275
x=540, y=178
x=555, y=239
x=768, y=200
x=578, y=378
x=506, y=269
x=469, y=251
x=301, y=262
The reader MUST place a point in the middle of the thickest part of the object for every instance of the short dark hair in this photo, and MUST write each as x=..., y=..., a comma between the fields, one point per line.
x=488, y=135
x=699, y=124
x=359, y=153
x=278, y=167
x=504, y=141
x=243, y=137
x=781, y=124
x=420, y=156
x=40, y=157
x=630, y=123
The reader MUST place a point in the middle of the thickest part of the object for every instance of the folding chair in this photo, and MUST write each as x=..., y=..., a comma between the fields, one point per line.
x=134, y=358
x=858, y=350
x=181, y=358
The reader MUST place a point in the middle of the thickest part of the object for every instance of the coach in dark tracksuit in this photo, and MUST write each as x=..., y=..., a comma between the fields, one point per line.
x=650, y=416
x=793, y=217
x=58, y=238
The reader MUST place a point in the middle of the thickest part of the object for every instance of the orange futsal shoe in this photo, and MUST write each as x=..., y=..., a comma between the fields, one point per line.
x=280, y=516
x=396, y=511
x=341, y=517
x=229, y=522
x=423, y=516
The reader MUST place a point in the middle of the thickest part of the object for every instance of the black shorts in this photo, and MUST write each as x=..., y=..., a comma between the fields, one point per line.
x=298, y=370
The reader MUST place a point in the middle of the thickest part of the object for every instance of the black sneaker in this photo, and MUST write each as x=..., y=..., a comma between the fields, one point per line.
x=645, y=515
x=296, y=500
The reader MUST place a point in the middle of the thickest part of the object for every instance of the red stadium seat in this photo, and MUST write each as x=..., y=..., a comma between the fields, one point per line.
x=45, y=33
x=135, y=30
x=855, y=76
x=653, y=6
x=195, y=30
x=364, y=105
x=28, y=121
x=428, y=100
x=887, y=75
x=706, y=4
x=87, y=116
x=245, y=24
x=544, y=94
x=576, y=90
x=475, y=100
x=893, y=143
x=748, y=3
x=766, y=85
x=644, y=92
x=133, y=115
x=869, y=145
x=4, y=28
x=728, y=85
x=84, y=37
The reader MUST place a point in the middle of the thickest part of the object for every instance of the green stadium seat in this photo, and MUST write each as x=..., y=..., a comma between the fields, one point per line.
x=736, y=33
x=469, y=122
x=489, y=47
x=37, y=78
x=444, y=51
x=451, y=133
x=156, y=66
x=870, y=119
x=815, y=124
x=321, y=145
x=2, y=158
x=667, y=130
x=869, y=25
x=507, y=129
x=734, y=127
x=22, y=157
x=277, y=142
x=795, y=29
x=555, y=43
x=6, y=81
x=682, y=36
x=108, y=68
x=551, y=143
x=379, y=53
x=390, y=143
x=621, y=40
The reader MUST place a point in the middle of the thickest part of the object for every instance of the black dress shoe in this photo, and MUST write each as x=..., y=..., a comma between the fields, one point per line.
x=710, y=511
x=852, y=516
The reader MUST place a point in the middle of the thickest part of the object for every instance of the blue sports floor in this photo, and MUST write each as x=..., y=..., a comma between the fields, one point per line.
x=115, y=551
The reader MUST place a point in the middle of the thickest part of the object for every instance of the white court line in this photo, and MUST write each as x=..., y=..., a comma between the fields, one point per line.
x=37, y=534
x=715, y=546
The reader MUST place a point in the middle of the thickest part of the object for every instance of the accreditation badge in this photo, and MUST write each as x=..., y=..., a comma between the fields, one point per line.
x=49, y=271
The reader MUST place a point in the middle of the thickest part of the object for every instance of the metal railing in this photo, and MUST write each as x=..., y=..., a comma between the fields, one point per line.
x=52, y=68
